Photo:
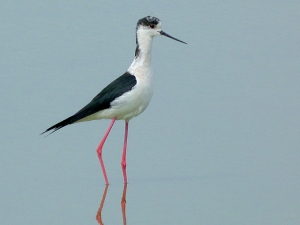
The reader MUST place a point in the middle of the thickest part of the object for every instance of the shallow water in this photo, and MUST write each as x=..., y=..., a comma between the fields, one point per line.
x=218, y=144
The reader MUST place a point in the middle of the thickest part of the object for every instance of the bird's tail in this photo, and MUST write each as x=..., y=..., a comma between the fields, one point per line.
x=59, y=125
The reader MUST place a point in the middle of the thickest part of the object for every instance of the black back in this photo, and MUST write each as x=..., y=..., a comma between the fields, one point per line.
x=101, y=101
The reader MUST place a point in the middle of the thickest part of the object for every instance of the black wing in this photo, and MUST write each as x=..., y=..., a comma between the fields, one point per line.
x=102, y=101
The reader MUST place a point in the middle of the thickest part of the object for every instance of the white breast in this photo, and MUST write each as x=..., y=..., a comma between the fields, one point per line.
x=133, y=102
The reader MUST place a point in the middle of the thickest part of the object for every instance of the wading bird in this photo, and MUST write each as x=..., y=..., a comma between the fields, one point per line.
x=127, y=96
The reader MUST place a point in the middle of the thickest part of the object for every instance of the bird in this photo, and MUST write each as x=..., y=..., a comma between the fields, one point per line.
x=128, y=95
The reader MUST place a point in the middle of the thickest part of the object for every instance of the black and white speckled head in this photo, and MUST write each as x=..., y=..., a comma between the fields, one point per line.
x=148, y=22
x=147, y=28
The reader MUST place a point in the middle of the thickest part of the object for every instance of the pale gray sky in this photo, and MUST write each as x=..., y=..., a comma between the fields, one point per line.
x=218, y=144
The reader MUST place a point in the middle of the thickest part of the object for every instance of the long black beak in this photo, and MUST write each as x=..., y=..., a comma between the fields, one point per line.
x=169, y=36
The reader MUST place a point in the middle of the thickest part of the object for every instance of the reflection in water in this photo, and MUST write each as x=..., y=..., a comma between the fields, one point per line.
x=98, y=215
x=123, y=205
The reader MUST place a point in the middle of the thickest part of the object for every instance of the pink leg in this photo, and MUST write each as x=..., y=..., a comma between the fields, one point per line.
x=123, y=161
x=99, y=149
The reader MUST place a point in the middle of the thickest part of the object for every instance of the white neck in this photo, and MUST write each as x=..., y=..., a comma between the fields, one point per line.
x=143, y=52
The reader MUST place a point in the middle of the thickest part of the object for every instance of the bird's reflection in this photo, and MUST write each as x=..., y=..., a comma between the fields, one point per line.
x=123, y=205
x=98, y=215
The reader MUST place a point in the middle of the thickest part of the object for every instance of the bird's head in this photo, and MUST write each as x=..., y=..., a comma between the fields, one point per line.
x=150, y=26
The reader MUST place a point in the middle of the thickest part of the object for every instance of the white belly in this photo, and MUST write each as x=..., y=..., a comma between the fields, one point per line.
x=130, y=104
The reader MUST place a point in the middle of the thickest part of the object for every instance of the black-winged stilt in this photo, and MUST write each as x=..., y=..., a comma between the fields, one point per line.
x=127, y=96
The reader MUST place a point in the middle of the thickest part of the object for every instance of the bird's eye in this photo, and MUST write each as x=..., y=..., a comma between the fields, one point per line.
x=152, y=26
